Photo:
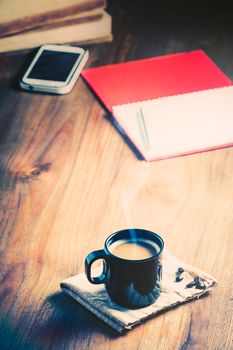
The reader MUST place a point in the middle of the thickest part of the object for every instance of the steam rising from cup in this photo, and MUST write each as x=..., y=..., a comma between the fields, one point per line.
x=129, y=197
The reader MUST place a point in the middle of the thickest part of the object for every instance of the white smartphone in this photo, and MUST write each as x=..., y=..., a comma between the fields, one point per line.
x=54, y=69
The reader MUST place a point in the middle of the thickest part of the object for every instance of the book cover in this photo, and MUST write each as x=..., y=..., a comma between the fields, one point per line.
x=154, y=77
x=122, y=86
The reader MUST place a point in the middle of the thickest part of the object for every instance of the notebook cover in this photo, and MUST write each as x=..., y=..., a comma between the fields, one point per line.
x=154, y=77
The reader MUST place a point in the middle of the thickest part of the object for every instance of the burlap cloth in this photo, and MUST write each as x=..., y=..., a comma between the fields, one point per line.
x=95, y=298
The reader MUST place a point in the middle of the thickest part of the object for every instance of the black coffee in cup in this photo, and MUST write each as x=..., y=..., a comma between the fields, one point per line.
x=132, y=267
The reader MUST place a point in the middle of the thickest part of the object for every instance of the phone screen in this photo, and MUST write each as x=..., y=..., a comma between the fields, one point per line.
x=54, y=65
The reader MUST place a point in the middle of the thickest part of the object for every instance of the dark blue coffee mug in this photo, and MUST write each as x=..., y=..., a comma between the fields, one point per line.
x=132, y=282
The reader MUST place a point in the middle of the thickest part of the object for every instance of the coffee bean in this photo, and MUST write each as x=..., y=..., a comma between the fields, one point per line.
x=178, y=278
x=191, y=284
x=199, y=283
x=180, y=270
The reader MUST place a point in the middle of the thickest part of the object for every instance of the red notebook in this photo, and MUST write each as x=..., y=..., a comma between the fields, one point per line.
x=147, y=98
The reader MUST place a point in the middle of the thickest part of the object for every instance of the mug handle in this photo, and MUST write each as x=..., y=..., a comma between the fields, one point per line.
x=91, y=257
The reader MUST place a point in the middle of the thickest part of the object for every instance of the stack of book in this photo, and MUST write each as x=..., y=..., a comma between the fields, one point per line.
x=26, y=24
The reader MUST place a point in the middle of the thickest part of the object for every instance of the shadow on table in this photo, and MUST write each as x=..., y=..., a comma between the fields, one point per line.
x=125, y=138
x=70, y=319
x=13, y=339
x=59, y=323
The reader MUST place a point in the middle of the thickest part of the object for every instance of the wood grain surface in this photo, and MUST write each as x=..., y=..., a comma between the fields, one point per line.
x=68, y=179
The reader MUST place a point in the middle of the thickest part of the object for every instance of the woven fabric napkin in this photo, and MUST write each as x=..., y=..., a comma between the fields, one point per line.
x=177, y=288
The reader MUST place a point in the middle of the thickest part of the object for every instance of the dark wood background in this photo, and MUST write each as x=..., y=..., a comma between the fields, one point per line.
x=64, y=171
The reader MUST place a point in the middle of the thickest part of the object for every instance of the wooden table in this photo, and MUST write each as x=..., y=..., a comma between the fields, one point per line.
x=68, y=180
